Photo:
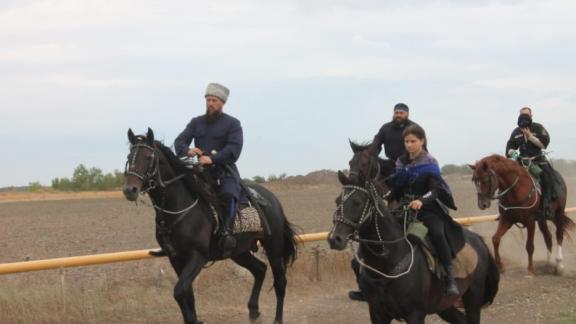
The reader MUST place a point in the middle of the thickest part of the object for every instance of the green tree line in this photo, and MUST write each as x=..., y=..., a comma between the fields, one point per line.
x=92, y=179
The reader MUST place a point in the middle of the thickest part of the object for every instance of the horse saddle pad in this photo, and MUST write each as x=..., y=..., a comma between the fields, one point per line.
x=247, y=220
x=463, y=264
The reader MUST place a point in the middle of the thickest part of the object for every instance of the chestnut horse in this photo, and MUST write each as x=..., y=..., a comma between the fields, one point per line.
x=498, y=178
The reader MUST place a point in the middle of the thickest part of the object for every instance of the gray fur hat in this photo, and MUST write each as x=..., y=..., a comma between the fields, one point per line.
x=217, y=90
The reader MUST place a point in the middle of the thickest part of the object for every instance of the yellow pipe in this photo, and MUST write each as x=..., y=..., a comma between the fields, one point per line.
x=73, y=261
x=77, y=261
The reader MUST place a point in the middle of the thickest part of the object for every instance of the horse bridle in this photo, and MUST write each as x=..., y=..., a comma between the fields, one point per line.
x=491, y=194
x=152, y=168
x=371, y=207
x=501, y=195
x=152, y=176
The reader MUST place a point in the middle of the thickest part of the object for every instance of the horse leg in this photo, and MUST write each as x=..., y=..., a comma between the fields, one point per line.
x=183, y=292
x=472, y=300
x=560, y=228
x=258, y=270
x=377, y=316
x=547, y=237
x=452, y=315
x=416, y=317
x=530, y=227
x=279, y=273
x=503, y=227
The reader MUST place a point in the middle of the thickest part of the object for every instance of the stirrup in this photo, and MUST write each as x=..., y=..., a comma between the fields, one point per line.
x=227, y=242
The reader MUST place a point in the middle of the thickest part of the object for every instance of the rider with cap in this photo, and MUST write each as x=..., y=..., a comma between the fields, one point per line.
x=218, y=140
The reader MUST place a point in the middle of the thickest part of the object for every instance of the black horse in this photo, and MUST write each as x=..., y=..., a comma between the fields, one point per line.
x=395, y=277
x=186, y=224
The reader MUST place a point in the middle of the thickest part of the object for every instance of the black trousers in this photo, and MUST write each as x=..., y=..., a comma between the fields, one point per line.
x=437, y=233
x=548, y=183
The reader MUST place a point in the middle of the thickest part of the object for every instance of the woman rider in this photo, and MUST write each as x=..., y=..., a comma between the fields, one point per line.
x=418, y=183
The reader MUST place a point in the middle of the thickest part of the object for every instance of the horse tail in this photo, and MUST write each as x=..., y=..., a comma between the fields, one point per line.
x=492, y=279
x=567, y=222
x=290, y=250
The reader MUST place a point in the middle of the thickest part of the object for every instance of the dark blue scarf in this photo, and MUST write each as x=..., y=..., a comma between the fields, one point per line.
x=424, y=165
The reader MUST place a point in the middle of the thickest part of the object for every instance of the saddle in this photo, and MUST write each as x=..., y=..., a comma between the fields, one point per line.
x=463, y=264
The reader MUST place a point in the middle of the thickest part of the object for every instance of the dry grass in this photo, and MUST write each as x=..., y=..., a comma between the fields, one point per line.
x=148, y=298
x=14, y=196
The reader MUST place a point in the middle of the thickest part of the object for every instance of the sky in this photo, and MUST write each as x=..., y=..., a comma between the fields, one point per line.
x=304, y=76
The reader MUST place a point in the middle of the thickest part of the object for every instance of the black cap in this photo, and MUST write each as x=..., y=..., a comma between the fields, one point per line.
x=401, y=106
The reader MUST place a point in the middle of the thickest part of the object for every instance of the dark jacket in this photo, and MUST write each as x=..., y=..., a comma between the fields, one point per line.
x=390, y=134
x=527, y=148
x=421, y=179
x=224, y=136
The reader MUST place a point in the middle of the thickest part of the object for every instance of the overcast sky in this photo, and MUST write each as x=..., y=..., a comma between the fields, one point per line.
x=305, y=75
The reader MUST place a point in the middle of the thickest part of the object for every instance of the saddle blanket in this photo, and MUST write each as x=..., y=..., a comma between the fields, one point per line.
x=247, y=220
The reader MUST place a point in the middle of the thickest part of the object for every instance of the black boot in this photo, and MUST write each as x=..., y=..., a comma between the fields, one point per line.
x=158, y=253
x=356, y=295
x=451, y=285
x=227, y=240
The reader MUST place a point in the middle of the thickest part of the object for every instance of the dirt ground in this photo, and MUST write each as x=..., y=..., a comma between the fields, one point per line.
x=141, y=291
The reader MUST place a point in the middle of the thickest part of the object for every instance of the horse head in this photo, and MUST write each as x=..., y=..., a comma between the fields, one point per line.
x=489, y=175
x=141, y=164
x=361, y=195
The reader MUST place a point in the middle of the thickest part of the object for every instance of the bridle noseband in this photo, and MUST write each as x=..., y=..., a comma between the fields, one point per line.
x=152, y=177
x=491, y=193
x=152, y=168
x=370, y=209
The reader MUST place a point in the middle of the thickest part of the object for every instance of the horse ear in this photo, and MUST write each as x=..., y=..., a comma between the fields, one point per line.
x=471, y=166
x=355, y=147
x=150, y=136
x=343, y=179
x=131, y=136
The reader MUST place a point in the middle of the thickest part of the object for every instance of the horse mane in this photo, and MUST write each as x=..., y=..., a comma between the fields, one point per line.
x=502, y=163
x=196, y=185
x=387, y=166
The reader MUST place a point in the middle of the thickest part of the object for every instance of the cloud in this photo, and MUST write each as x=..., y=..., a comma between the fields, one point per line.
x=87, y=70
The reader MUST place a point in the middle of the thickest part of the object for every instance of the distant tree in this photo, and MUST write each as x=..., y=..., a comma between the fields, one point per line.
x=456, y=169
x=258, y=179
x=272, y=178
x=89, y=179
x=34, y=186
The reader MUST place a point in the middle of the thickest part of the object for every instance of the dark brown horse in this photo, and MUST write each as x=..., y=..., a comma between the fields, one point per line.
x=187, y=226
x=394, y=274
x=498, y=178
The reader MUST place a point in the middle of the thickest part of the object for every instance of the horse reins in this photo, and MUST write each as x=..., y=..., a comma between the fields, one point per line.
x=368, y=211
x=503, y=193
x=152, y=178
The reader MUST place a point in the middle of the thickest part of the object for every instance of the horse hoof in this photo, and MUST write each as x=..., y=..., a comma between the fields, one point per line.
x=529, y=275
x=560, y=270
x=254, y=315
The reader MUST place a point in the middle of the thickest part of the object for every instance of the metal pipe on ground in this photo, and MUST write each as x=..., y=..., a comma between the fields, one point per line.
x=27, y=266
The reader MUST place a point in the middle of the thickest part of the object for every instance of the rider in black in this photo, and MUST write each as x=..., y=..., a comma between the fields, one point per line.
x=531, y=138
x=418, y=182
x=389, y=136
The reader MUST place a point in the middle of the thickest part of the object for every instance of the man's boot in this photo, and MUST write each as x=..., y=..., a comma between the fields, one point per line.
x=158, y=253
x=356, y=295
x=228, y=241
x=451, y=285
